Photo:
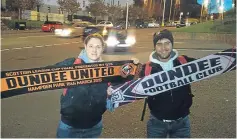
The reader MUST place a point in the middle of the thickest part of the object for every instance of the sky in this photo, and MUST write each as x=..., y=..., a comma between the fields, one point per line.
x=227, y=5
x=122, y=2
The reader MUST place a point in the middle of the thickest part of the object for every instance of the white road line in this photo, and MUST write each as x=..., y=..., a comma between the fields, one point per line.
x=16, y=48
x=66, y=43
x=39, y=46
x=179, y=42
x=57, y=44
x=34, y=36
x=198, y=50
x=5, y=50
x=75, y=42
x=186, y=49
x=48, y=45
x=28, y=47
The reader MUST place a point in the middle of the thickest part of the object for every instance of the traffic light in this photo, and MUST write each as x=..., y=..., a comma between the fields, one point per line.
x=49, y=9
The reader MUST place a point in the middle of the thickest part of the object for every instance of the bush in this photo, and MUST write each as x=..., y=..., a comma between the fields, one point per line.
x=29, y=24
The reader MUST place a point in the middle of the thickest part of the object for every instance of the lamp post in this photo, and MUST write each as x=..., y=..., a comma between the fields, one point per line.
x=163, y=14
x=180, y=16
x=127, y=16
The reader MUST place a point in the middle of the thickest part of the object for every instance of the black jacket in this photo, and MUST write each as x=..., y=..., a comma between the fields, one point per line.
x=83, y=105
x=172, y=104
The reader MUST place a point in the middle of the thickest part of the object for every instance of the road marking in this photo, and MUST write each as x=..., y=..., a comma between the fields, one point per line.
x=27, y=47
x=39, y=46
x=48, y=45
x=75, y=42
x=16, y=48
x=34, y=36
x=5, y=50
x=186, y=49
x=179, y=42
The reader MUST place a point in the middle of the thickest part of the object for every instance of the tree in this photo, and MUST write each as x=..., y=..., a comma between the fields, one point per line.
x=20, y=5
x=71, y=6
x=115, y=12
x=138, y=3
x=136, y=12
x=97, y=8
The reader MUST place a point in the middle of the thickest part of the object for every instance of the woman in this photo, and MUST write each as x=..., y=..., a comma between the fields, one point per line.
x=82, y=106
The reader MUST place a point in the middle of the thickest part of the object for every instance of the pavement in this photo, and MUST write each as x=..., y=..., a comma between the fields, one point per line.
x=36, y=115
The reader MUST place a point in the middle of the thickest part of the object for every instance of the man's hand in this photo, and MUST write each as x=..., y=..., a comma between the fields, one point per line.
x=135, y=60
x=109, y=90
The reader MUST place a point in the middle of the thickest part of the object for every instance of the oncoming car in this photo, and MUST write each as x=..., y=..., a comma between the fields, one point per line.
x=75, y=30
x=115, y=40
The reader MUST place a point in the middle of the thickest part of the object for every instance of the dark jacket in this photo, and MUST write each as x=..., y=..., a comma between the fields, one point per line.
x=83, y=105
x=172, y=104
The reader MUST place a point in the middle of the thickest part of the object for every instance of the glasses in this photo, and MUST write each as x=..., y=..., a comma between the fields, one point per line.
x=165, y=44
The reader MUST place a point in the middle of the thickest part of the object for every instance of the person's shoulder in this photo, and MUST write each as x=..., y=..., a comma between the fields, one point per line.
x=189, y=59
x=66, y=62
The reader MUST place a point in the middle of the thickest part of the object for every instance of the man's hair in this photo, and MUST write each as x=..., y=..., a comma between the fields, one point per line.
x=163, y=34
x=95, y=35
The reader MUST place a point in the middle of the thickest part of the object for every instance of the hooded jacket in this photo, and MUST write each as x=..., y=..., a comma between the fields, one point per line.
x=172, y=104
x=83, y=106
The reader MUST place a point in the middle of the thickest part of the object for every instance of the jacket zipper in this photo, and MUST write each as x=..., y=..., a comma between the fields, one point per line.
x=171, y=94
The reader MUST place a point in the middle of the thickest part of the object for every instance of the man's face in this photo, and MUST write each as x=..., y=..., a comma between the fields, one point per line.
x=163, y=48
x=94, y=49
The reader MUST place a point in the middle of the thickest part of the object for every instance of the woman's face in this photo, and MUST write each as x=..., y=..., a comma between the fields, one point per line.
x=94, y=49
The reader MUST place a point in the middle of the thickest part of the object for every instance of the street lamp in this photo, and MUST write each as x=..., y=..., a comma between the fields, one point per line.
x=163, y=14
x=127, y=16
x=180, y=16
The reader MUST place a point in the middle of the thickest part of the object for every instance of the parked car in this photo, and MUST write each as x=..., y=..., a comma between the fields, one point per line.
x=180, y=24
x=170, y=24
x=153, y=25
x=105, y=24
x=141, y=24
x=115, y=39
x=50, y=26
x=75, y=30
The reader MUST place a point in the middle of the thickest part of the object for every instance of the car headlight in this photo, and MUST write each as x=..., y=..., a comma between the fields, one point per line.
x=58, y=31
x=130, y=40
x=66, y=32
x=104, y=32
x=111, y=41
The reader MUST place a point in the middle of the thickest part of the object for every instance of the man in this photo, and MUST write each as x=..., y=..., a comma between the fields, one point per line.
x=169, y=110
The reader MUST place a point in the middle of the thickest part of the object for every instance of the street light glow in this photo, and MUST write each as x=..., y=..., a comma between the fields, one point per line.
x=206, y=3
x=221, y=8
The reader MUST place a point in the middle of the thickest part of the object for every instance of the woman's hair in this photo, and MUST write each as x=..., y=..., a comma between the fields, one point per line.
x=96, y=35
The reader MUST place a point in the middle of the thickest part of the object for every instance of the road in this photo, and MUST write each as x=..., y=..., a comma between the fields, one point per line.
x=36, y=115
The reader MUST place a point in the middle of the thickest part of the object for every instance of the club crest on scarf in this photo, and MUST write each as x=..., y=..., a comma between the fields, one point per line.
x=126, y=70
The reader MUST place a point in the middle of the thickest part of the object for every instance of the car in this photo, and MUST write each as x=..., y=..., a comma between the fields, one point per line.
x=121, y=25
x=50, y=26
x=170, y=24
x=141, y=24
x=153, y=25
x=180, y=24
x=105, y=24
x=75, y=30
x=115, y=40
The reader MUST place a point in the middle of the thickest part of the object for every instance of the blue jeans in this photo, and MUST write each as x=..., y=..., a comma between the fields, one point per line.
x=176, y=129
x=66, y=131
